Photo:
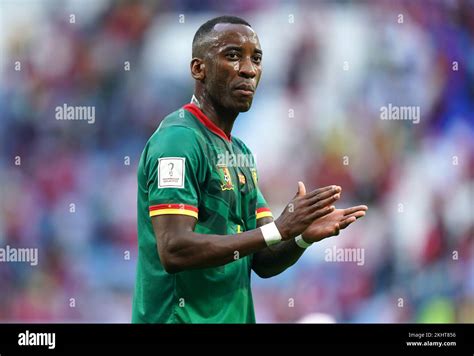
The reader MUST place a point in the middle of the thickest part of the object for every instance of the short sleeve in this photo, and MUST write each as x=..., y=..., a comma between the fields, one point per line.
x=175, y=171
x=262, y=208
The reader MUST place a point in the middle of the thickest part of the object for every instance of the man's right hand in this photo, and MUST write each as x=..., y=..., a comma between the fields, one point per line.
x=305, y=208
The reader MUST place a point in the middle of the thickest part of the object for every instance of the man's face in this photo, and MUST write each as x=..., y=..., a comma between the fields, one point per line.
x=233, y=66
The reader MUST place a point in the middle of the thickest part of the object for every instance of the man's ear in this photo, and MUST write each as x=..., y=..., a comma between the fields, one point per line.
x=198, y=69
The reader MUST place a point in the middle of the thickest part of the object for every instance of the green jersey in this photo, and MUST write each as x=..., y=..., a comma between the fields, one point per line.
x=190, y=167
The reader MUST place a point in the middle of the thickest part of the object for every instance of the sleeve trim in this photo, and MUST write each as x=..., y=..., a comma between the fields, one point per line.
x=178, y=209
x=264, y=213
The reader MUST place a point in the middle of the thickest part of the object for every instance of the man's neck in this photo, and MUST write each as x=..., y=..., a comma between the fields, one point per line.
x=223, y=119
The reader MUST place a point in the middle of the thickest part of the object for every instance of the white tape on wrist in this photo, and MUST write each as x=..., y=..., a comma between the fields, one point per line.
x=302, y=243
x=271, y=234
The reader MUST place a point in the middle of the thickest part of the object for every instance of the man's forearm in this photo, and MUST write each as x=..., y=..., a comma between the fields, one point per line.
x=275, y=259
x=182, y=249
x=204, y=251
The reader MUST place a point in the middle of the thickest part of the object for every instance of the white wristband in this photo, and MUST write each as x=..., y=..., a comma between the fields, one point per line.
x=271, y=234
x=302, y=243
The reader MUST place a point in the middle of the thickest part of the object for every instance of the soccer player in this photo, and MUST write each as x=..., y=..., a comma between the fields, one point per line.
x=203, y=224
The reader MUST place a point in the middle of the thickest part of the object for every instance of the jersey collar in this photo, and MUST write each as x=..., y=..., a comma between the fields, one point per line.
x=197, y=112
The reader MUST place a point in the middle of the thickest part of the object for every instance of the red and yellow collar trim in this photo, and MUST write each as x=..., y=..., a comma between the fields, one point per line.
x=197, y=112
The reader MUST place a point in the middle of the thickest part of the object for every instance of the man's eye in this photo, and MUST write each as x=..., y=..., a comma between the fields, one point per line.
x=232, y=56
x=257, y=59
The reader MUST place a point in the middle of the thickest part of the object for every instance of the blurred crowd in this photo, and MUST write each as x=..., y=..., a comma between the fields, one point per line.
x=68, y=188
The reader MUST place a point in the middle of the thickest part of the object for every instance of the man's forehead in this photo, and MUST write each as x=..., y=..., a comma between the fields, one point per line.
x=226, y=33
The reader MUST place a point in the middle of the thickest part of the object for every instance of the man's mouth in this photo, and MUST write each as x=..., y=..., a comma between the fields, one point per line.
x=245, y=89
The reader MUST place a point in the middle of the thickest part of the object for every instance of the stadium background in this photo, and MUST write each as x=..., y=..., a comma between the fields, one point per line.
x=329, y=67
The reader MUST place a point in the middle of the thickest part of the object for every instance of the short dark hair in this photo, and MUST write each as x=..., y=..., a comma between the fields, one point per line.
x=208, y=26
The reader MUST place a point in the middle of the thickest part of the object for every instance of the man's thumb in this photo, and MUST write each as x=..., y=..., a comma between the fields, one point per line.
x=301, y=189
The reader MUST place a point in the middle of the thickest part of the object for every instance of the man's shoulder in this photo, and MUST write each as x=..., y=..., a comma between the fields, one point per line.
x=177, y=128
x=241, y=144
x=176, y=119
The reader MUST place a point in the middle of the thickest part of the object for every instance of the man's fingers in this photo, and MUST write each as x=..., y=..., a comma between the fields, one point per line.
x=321, y=212
x=345, y=223
x=329, y=188
x=349, y=219
x=324, y=195
x=353, y=209
x=357, y=215
x=317, y=205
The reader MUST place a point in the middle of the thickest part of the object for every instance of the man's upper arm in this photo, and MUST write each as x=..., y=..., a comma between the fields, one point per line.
x=168, y=227
x=174, y=173
x=263, y=212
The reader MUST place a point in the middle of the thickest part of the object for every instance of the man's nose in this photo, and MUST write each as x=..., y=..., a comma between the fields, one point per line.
x=247, y=68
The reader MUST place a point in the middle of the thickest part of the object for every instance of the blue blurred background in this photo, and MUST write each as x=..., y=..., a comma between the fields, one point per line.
x=68, y=188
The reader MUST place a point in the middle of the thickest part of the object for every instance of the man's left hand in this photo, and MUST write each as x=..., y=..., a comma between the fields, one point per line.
x=332, y=223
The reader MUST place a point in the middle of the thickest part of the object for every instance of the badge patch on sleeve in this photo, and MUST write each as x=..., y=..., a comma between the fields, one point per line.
x=171, y=172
